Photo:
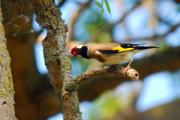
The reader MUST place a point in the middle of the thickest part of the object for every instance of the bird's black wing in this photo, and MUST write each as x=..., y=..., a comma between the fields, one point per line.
x=109, y=52
x=124, y=47
x=137, y=46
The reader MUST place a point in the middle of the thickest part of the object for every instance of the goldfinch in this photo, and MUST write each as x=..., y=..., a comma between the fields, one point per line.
x=109, y=53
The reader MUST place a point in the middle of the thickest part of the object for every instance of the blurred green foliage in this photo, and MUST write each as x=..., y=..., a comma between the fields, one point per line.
x=106, y=106
x=100, y=5
x=89, y=26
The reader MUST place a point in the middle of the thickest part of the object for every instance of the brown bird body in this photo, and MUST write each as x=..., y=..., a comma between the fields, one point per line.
x=116, y=58
x=109, y=53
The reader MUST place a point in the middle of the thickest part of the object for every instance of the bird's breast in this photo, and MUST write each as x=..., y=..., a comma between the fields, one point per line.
x=117, y=59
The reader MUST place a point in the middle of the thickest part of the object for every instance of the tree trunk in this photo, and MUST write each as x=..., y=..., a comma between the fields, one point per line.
x=6, y=84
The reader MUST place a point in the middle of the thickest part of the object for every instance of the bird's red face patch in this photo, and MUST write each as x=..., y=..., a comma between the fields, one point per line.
x=74, y=51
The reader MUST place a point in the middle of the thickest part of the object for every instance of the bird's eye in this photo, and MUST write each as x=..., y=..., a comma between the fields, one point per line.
x=74, y=51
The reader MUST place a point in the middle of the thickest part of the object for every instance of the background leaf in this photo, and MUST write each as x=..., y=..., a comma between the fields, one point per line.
x=99, y=4
x=108, y=6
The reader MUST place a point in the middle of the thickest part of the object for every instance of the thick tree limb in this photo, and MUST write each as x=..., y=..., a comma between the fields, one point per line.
x=162, y=61
x=31, y=95
x=56, y=58
x=17, y=16
x=6, y=83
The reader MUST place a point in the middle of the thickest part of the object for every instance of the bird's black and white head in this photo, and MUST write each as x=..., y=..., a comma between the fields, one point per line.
x=80, y=50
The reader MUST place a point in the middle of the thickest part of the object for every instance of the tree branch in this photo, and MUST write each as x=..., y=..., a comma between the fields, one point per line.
x=56, y=58
x=17, y=16
x=112, y=71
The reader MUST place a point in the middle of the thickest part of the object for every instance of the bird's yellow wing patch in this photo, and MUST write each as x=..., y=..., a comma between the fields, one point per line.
x=121, y=49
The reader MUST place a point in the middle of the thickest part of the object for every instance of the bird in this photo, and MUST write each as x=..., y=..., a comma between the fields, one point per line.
x=109, y=53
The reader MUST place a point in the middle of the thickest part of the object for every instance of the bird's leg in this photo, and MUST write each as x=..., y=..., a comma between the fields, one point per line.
x=129, y=63
x=128, y=66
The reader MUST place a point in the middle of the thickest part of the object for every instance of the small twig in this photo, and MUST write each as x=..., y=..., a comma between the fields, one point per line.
x=112, y=71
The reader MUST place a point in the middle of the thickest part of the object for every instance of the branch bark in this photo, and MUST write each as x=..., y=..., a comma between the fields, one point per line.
x=17, y=16
x=112, y=71
x=56, y=58
x=6, y=83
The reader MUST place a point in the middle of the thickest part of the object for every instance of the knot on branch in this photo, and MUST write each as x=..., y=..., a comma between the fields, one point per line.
x=71, y=86
x=131, y=73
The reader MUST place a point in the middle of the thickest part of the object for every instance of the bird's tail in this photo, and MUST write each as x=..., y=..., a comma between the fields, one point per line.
x=145, y=47
x=138, y=46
